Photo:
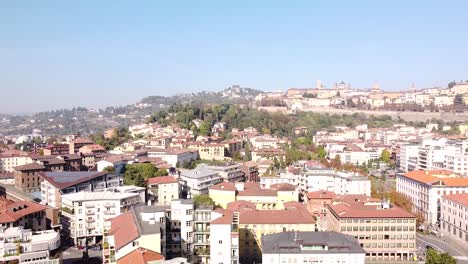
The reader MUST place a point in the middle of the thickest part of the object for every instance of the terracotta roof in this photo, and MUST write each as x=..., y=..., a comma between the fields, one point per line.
x=12, y=211
x=224, y=186
x=239, y=205
x=30, y=166
x=81, y=140
x=361, y=206
x=283, y=187
x=225, y=219
x=288, y=216
x=93, y=147
x=124, y=229
x=321, y=195
x=461, y=198
x=162, y=180
x=140, y=256
x=445, y=177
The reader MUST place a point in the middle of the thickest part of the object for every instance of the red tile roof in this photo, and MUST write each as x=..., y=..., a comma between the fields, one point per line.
x=30, y=166
x=162, y=180
x=239, y=205
x=12, y=211
x=447, y=178
x=140, y=256
x=321, y=195
x=224, y=186
x=124, y=229
x=461, y=198
x=283, y=187
x=291, y=215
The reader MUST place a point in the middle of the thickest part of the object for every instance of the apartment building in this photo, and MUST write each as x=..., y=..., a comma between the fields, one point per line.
x=21, y=245
x=454, y=217
x=384, y=231
x=85, y=215
x=139, y=227
x=456, y=157
x=263, y=198
x=55, y=184
x=199, y=180
x=162, y=190
x=250, y=170
x=311, y=247
x=407, y=158
x=77, y=143
x=27, y=177
x=231, y=172
x=319, y=178
x=13, y=158
x=426, y=188
x=29, y=215
x=174, y=157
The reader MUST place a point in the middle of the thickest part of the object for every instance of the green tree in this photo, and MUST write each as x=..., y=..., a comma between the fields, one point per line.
x=322, y=153
x=203, y=199
x=434, y=257
x=109, y=169
x=385, y=156
x=136, y=174
x=205, y=128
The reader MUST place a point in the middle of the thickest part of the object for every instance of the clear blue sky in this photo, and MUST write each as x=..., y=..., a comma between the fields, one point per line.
x=56, y=54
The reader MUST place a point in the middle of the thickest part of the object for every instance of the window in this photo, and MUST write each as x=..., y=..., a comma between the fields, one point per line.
x=220, y=242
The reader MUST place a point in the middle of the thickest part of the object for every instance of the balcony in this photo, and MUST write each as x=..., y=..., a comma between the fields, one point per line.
x=202, y=230
x=109, y=212
x=89, y=205
x=202, y=251
x=108, y=205
x=90, y=220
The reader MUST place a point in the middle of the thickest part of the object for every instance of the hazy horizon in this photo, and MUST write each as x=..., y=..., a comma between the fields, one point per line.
x=95, y=54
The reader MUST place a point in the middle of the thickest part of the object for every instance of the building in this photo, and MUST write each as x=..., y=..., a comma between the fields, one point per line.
x=25, y=214
x=454, y=220
x=426, y=188
x=198, y=181
x=174, y=157
x=386, y=232
x=56, y=149
x=250, y=170
x=78, y=143
x=224, y=239
x=92, y=149
x=54, y=184
x=11, y=159
x=263, y=198
x=22, y=245
x=162, y=190
x=27, y=177
x=311, y=247
x=142, y=256
x=139, y=227
x=319, y=178
x=231, y=172
x=85, y=215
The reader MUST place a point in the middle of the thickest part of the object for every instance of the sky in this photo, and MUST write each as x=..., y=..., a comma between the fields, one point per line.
x=61, y=54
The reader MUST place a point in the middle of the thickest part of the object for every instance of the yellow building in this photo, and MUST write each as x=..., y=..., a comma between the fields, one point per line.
x=263, y=199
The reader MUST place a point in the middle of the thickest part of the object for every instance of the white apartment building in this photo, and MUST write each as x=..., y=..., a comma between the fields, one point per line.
x=340, y=182
x=173, y=156
x=229, y=172
x=311, y=247
x=162, y=190
x=85, y=215
x=198, y=181
x=425, y=189
x=456, y=157
x=224, y=239
x=289, y=178
x=356, y=156
x=454, y=217
x=34, y=247
x=408, y=157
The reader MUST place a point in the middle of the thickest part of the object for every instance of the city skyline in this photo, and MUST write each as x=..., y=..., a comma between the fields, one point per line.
x=97, y=54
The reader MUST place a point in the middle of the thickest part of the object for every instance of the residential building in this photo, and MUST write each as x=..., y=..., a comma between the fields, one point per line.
x=92, y=149
x=174, y=157
x=140, y=226
x=56, y=149
x=250, y=170
x=386, y=232
x=272, y=198
x=162, y=190
x=26, y=214
x=231, y=172
x=224, y=239
x=21, y=245
x=425, y=189
x=78, y=143
x=27, y=177
x=454, y=217
x=11, y=159
x=54, y=184
x=85, y=215
x=311, y=247
x=198, y=181
x=319, y=178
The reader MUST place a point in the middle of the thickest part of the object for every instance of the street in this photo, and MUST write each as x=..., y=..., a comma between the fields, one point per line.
x=72, y=255
x=422, y=241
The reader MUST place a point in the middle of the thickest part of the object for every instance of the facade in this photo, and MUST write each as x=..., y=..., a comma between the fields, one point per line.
x=162, y=190
x=198, y=181
x=229, y=172
x=85, y=215
x=454, y=217
x=27, y=177
x=55, y=184
x=25, y=214
x=224, y=239
x=340, y=182
x=311, y=247
x=386, y=232
x=173, y=157
x=25, y=246
x=426, y=188
x=11, y=159
x=250, y=170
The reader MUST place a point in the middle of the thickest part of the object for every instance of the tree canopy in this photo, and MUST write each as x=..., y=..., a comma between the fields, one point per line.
x=137, y=174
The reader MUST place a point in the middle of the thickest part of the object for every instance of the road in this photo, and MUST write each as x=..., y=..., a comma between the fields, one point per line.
x=442, y=246
x=74, y=256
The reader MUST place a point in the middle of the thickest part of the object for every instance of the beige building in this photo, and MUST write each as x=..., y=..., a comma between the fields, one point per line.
x=11, y=159
x=454, y=218
x=163, y=190
x=386, y=232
